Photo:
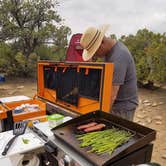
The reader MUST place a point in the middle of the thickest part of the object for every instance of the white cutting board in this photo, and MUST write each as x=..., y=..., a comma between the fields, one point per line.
x=19, y=146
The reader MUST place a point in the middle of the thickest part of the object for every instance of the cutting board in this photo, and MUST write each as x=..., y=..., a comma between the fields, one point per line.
x=19, y=146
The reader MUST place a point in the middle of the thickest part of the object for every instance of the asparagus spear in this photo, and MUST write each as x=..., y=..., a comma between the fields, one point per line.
x=105, y=141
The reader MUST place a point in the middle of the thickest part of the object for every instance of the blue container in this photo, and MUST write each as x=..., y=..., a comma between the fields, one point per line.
x=2, y=78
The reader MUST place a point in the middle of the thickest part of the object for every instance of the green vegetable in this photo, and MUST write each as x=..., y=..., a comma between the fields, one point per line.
x=105, y=141
x=25, y=141
x=55, y=117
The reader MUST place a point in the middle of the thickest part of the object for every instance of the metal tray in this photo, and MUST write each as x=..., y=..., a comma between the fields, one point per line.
x=141, y=136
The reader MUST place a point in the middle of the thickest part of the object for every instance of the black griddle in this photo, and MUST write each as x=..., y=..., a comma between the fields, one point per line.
x=141, y=136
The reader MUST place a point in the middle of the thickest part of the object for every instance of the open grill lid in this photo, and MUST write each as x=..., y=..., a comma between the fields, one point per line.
x=79, y=87
x=141, y=136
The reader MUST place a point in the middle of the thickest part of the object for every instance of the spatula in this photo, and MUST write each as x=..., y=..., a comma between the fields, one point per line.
x=19, y=129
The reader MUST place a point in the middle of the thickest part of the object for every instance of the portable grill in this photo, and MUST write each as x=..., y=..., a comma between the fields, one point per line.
x=141, y=136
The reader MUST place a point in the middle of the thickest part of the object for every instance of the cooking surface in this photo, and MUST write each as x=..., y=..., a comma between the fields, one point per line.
x=141, y=136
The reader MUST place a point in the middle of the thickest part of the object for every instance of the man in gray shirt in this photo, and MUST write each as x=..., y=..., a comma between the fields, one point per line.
x=124, y=99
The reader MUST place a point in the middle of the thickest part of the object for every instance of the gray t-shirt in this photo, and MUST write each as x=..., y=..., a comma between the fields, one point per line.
x=124, y=76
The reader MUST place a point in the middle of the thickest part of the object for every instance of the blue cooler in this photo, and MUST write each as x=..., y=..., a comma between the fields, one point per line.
x=2, y=78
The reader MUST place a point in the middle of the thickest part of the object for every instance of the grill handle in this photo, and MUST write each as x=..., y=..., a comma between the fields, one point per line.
x=50, y=148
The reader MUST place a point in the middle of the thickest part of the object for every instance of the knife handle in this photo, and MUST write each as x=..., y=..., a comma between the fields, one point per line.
x=8, y=145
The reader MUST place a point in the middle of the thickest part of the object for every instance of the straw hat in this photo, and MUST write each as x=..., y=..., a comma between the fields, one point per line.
x=91, y=40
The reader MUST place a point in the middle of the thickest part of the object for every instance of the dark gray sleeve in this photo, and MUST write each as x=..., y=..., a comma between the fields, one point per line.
x=120, y=69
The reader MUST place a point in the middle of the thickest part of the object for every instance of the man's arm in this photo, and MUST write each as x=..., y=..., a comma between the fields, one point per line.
x=115, y=90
